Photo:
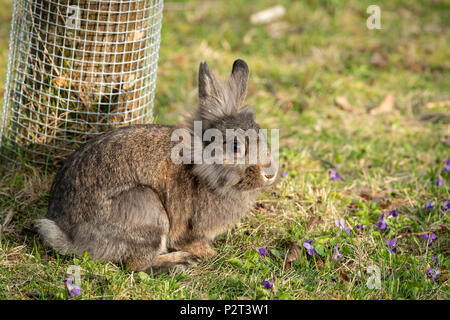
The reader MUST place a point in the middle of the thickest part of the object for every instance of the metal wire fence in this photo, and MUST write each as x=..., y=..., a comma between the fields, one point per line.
x=75, y=69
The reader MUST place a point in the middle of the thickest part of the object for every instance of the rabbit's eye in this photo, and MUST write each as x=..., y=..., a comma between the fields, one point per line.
x=236, y=146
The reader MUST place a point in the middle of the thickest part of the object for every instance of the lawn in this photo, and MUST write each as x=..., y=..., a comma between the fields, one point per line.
x=389, y=164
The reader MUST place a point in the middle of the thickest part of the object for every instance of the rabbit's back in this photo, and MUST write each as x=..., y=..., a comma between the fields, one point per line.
x=106, y=166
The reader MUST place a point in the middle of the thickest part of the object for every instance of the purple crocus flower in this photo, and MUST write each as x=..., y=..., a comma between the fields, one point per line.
x=432, y=273
x=341, y=224
x=381, y=222
x=447, y=165
x=447, y=205
x=444, y=208
x=393, y=213
x=429, y=205
x=267, y=284
x=262, y=252
x=436, y=261
x=382, y=225
x=360, y=227
x=391, y=244
x=439, y=182
x=336, y=254
x=76, y=291
x=334, y=175
x=72, y=289
x=309, y=248
x=285, y=173
x=429, y=237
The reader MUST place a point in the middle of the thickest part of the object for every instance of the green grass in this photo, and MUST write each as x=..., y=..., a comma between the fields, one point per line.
x=323, y=50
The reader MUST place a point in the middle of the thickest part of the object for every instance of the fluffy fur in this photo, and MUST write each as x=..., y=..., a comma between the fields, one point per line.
x=121, y=198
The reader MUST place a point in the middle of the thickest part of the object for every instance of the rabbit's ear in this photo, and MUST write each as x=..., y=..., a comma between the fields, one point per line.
x=211, y=95
x=208, y=84
x=238, y=82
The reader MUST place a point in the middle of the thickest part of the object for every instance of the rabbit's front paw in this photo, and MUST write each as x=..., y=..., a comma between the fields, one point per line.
x=201, y=249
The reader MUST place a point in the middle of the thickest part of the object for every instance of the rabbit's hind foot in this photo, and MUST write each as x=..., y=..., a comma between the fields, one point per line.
x=163, y=263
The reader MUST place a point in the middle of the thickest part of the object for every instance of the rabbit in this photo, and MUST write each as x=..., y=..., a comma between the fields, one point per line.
x=121, y=197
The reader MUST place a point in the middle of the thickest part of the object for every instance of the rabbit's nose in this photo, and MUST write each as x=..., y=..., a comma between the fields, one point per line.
x=269, y=171
x=268, y=177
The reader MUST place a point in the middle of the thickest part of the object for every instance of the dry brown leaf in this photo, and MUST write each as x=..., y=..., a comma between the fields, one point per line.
x=344, y=276
x=365, y=196
x=378, y=60
x=294, y=253
x=60, y=81
x=180, y=59
x=342, y=102
x=386, y=106
x=319, y=263
x=370, y=195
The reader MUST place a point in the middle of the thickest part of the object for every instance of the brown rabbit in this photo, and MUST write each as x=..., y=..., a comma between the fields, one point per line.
x=122, y=198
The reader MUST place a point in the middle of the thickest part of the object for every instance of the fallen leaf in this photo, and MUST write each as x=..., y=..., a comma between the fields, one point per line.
x=60, y=81
x=386, y=106
x=365, y=196
x=378, y=60
x=294, y=253
x=342, y=102
x=180, y=59
x=319, y=263
x=370, y=195
x=344, y=276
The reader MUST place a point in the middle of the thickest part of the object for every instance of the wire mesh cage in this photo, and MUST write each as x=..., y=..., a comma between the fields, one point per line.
x=75, y=69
